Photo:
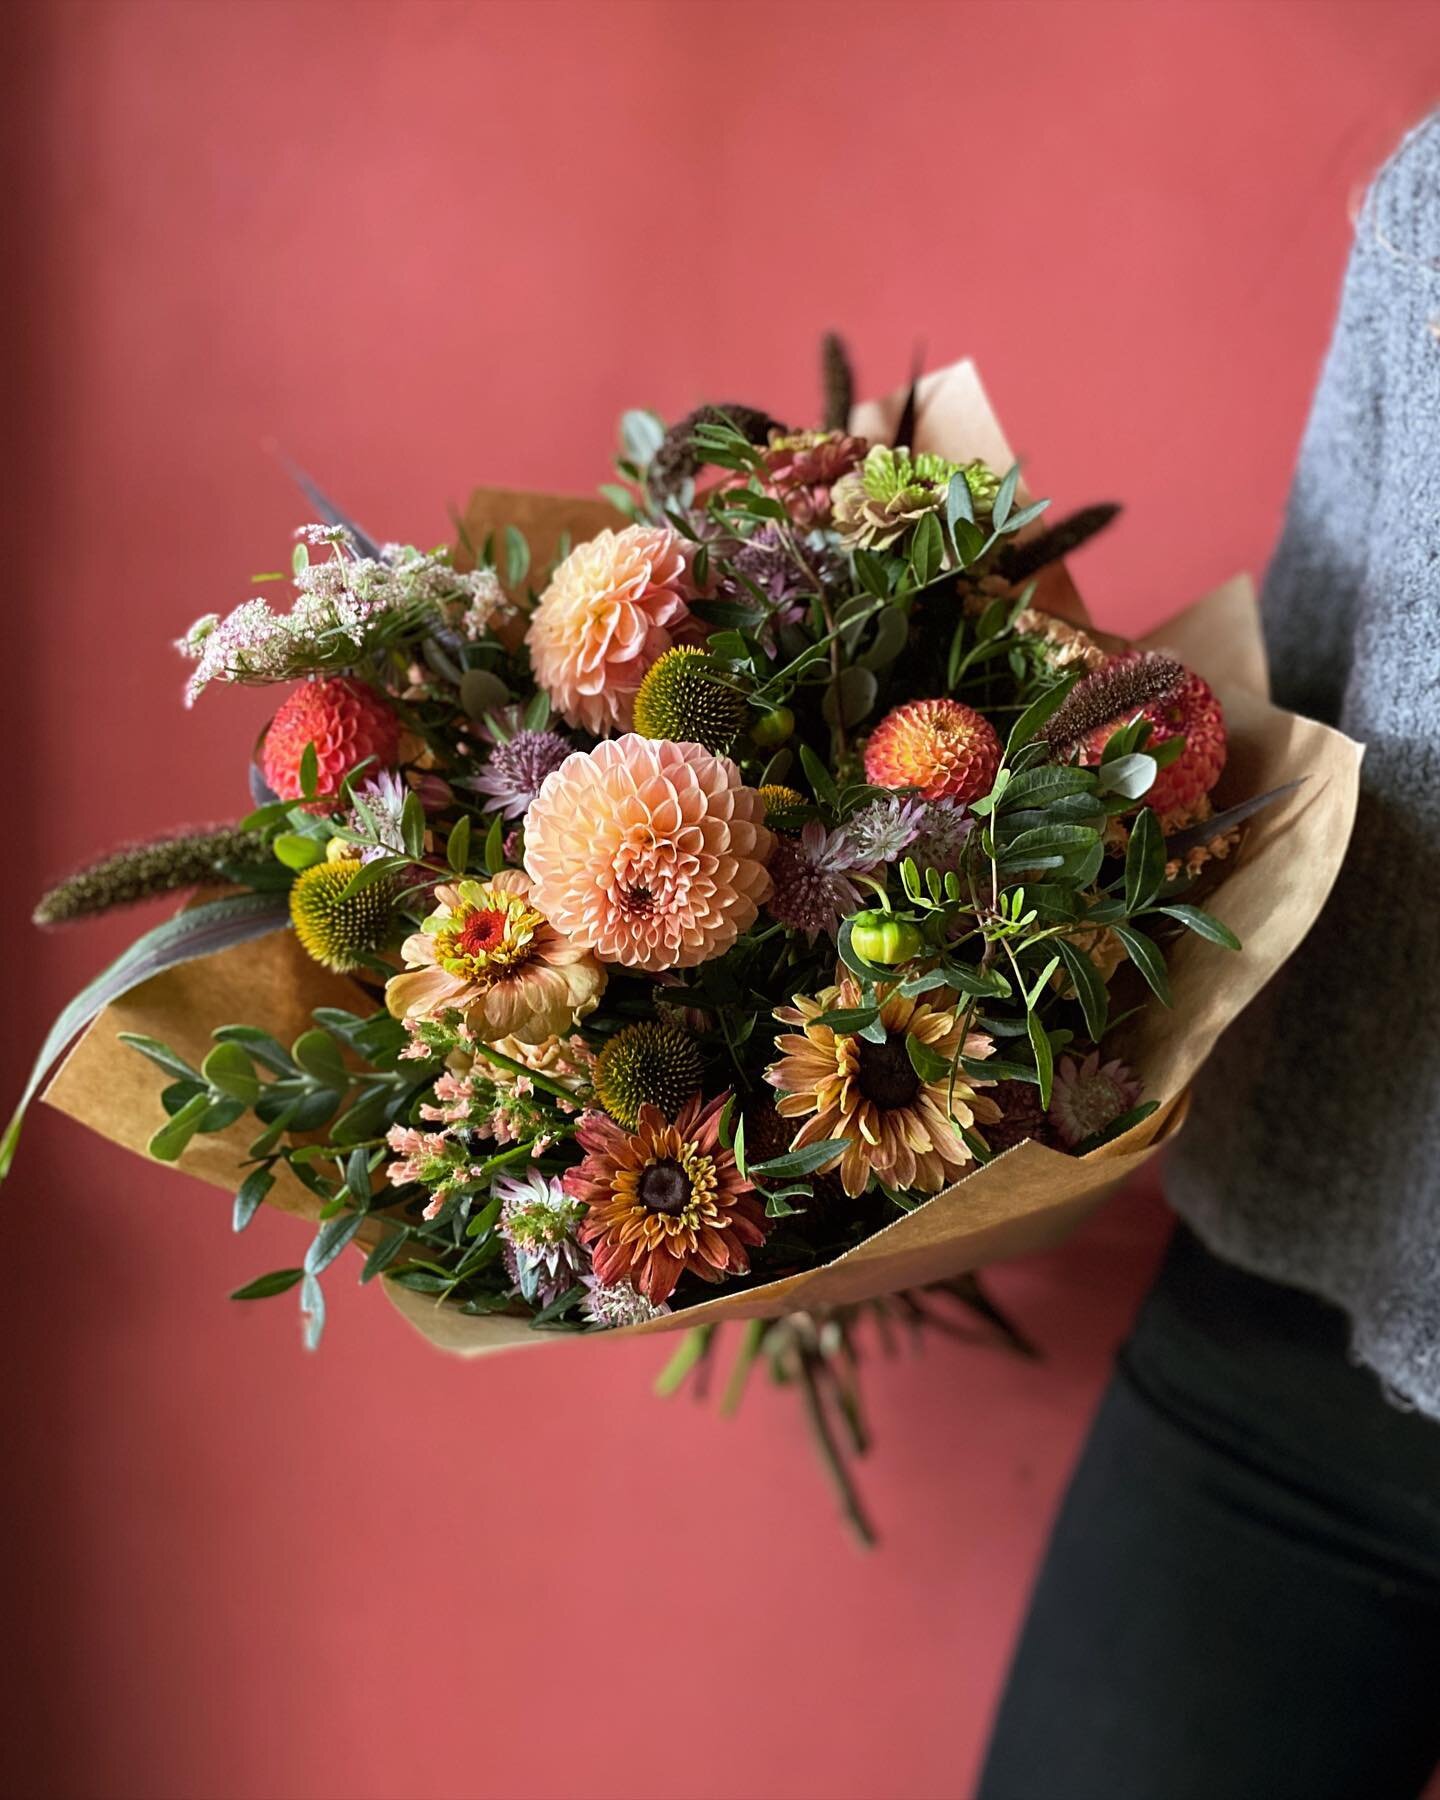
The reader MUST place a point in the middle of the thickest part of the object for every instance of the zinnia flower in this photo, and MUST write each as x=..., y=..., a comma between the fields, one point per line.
x=664, y=1199
x=649, y=853
x=613, y=606
x=904, y=1129
x=1090, y=1095
x=489, y=953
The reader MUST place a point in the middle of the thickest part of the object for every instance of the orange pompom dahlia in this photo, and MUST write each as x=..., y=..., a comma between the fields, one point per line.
x=614, y=606
x=664, y=1199
x=345, y=719
x=942, y=748
x=647, y=852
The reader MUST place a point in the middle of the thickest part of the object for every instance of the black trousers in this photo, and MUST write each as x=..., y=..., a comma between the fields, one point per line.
x=1241, y=1598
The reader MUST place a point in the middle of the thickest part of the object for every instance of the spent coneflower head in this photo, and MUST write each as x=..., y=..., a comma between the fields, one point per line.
x=490, y=954
x=652, y=1063
x=664, y=1200
x=898, y=1125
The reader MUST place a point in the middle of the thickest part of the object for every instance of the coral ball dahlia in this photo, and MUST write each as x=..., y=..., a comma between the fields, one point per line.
x=346, y=721
x=663, y=1199
x=1189, y=710
x=613, y=607
x=649, y=853
x=942, y=748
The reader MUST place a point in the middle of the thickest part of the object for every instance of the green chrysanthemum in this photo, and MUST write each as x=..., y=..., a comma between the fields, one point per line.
x=651, y=1064
x=893, y=489
x=339, y=933
x=680, y=699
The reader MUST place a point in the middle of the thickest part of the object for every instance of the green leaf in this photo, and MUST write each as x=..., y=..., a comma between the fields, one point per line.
x=1204, y=924
x=1117, y=1127
x=1037, y=787
x=298, y=850
x=412, y=827
x=1147, y=959
x=821, y=782
x=641, y=435
x=263, y=1286
x=265, y=1049
x=160, y=1054
x=330, y=1240
x=928, y=1064
x=849, y=1019
x=1044, y=1055
x=958, y=503
x=927, y=552
x=1130, y=776
x=230, y=1071
x=1089, y=986
x=200, y=931
x=309, y=771
x=1144, y=862
x=850, y=696
x=384, y=1253
x=312, y=1310
x=493, y=854
x=1038, y=712
x=1005, y=499
x=253, y=1189
x=800, y=1162
x=318, y=1055
x=457, y=847
x=517, y=557
x=168, y=1143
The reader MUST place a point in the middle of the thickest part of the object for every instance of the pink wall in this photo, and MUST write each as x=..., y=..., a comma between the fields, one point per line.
x=428, y=244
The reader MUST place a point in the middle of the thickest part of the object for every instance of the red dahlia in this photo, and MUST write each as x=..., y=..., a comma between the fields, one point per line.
x=346, y=720
x=943, y=748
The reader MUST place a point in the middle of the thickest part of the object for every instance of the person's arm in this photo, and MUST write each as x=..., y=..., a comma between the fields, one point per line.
x=1359, y=434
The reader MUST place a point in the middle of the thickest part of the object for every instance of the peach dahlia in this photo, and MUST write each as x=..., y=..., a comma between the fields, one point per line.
x=648, y=853
x=613, y=607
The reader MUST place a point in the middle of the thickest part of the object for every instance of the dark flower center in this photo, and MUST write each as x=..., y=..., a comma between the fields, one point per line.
x=664, y=1187
x=636, y=899
x=885, y=1075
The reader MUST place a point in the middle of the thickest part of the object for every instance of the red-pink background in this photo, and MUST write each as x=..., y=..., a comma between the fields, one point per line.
x=425, y=245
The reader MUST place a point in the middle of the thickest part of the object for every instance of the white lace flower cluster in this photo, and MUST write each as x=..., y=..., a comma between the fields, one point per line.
x=347, y=607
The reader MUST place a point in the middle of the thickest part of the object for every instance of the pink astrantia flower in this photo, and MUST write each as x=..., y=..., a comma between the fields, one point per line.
x=613, y=606
x=1090, y=1095
x=648, y=853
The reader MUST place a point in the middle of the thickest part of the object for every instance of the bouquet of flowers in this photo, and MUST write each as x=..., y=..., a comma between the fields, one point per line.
x=759, y=894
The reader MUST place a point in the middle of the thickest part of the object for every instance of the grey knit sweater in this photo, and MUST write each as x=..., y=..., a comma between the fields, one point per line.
x=1313, y=1153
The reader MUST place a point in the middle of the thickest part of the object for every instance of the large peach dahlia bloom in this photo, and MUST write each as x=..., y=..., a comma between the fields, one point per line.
x=647, y=852
x=489, y=953
x=614, y=605
x=908, y=1131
